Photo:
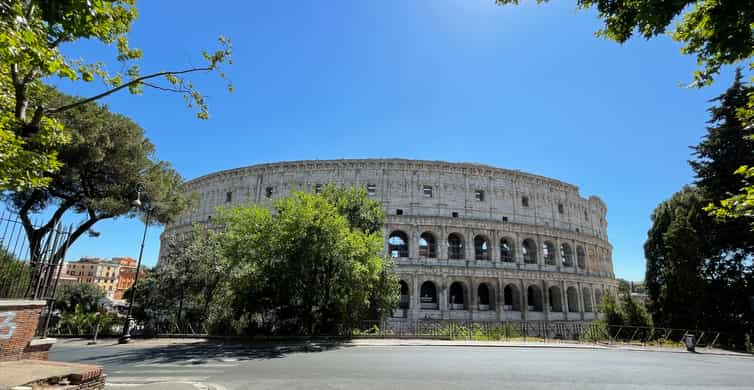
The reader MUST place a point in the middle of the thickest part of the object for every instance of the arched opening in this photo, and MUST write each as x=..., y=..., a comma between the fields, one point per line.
x=556, y=299
x=506, y=250
x=397, y=244
x=587, y=294
x=581, y=257
x=455, y=247
x=534, y=298
x=598, y=298
x=529, y=251
x=428, y=297
x=511, y=298
x=427, y=245
x=548, y=252
x=457, y=301
x=573, y=299
x=481, y=248
x=484, y=296
x=404, y=302
x=566, y=255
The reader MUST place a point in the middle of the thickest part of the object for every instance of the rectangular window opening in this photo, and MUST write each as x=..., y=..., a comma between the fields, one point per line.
x=525, y=201
x=479, y=195
x=371, y=189
x=560, y=208
x=268, y=192
x=317, y=188
x=427, y=191
x=399, y=212
x=455, y=214
x=228, y=197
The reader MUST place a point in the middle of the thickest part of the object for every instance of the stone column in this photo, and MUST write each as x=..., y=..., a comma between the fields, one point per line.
x=564, y=299
x=473, y=298
x=558, y=258
x=499, y=299
x=442, y=244
x=524, y=301
x=413, y=243
x=545, y=301
x=495, y=243
x=518, y=253
x=442, y=298
x=416, y=297
x=469, y=242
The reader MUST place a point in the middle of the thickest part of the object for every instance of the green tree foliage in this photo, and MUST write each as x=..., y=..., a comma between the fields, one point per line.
x=87, y=298
x=304, y=269
x=624, y=310
x=107, y=157
x=13, y=273
x=677, y=249
x=184, y=284
x=31, y=34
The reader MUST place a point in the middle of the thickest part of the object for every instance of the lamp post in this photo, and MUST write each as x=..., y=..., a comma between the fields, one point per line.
x=126, y=338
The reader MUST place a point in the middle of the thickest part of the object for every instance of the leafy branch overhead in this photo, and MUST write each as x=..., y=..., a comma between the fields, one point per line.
x=31, y=35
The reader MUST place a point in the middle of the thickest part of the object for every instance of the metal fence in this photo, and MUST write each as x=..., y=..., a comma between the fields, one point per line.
x=28, y=270
x=538, y=331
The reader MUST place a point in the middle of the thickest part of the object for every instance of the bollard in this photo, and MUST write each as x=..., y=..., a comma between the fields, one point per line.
x=690, y=341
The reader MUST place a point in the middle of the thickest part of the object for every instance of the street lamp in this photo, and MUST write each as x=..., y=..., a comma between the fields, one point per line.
x=127, y=327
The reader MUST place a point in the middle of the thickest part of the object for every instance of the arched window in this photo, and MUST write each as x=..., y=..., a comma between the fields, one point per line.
x=534, y=298
x=566, y=255
x=573, y=299
x=483, y=294
x=529, y=250
x=587, y=294
x=581, y=257
x=456, y=300
x=397, y=244
x=556, y=299
x=428, y=298
x=405, y=301
x=598, y=298
x=455, y=247
x=481, y=248
x=548, y=252
x=427, y=245
x=506, y=250
x=511, y=298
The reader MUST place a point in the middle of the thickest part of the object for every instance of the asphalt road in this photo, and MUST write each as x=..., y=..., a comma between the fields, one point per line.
x=406, y=367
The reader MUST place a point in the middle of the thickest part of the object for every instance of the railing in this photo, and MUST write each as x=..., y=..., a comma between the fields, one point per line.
x=539, y=331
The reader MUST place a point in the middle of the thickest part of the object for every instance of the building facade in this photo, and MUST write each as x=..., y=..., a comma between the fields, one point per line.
x=471, y=242
x=113, y=276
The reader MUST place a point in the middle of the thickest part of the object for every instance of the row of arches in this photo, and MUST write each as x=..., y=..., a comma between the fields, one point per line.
x=398, y=246
x=459, y=298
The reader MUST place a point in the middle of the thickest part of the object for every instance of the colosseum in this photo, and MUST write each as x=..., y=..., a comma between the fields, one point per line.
x=471, y=241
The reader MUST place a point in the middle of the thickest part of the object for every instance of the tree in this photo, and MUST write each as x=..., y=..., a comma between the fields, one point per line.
x=31, y=34
x=13, y=273
x=305, y=269
x=87, y=297
x=107, y=158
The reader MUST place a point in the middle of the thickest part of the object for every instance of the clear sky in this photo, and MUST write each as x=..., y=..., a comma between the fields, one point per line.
x=527, y=87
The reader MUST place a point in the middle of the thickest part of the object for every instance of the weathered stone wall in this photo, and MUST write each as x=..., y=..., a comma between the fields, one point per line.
x=469, y=200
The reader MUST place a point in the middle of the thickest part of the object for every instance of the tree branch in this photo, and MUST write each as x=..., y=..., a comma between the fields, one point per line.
x=166, y=89
x=126, y=85
x=81, y=229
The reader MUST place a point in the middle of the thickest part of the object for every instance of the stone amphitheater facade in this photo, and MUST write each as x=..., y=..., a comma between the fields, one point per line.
x=471, y=242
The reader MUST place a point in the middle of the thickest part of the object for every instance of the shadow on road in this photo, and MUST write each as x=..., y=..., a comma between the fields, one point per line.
x=197, y=353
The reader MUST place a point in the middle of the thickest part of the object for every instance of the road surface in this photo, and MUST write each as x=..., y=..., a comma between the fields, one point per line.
x=209, y=365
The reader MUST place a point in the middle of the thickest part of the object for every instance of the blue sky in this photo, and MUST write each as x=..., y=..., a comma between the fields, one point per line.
x=527, y=87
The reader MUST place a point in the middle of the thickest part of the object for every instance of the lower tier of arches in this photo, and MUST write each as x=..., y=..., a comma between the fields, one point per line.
x=484, y=298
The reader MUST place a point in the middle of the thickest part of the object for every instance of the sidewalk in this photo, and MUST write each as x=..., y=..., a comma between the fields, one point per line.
x=535, y=344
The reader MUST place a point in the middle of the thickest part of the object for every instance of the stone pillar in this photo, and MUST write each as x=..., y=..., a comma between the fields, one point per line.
x=580, y=294
x=442, y=298
x=564, y=299
x=416, y=297
x=413, y=243
x=545, y=301
x=518, y=252
x=558, y=258
x=524, y=301
x=442, y=244
x=495, y=243
x=469, y=242
x=473, y=298
x=499, y=299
